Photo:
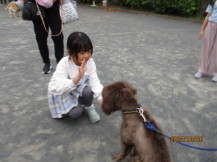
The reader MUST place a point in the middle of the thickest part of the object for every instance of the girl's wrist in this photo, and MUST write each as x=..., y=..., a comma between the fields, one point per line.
x=76, y=79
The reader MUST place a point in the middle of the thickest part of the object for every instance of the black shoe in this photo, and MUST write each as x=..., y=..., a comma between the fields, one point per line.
x=47, y=68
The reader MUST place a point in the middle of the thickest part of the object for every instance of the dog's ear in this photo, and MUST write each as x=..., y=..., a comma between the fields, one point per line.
x=127, y=85
x=128, y=96
x=131, y=88
x=108, y=101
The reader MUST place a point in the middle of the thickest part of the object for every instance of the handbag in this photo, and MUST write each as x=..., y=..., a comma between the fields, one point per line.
x=32, y=11
x=68, y=12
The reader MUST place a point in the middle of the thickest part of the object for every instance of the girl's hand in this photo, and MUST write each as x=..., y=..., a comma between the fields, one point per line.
x=81, y=71
x=200, y=35
x=100, y=102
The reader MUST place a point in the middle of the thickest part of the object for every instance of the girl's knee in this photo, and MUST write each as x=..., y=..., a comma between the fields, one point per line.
x=87, y=92
x=76, y=112
x=87, y=96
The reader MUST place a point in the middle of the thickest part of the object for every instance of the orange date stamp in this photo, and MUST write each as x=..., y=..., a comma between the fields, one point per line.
x=186, y=139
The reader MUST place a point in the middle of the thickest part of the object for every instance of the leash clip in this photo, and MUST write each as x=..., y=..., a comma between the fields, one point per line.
x=141, y=113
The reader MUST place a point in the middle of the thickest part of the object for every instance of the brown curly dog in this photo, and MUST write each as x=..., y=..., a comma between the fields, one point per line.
x=146, y=145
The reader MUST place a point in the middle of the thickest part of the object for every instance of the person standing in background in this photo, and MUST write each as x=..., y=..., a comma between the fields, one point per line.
x=208, y=31
x=54, y=22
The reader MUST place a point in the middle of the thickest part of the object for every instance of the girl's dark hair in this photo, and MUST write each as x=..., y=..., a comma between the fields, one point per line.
x=79, y=42
x=211, y=2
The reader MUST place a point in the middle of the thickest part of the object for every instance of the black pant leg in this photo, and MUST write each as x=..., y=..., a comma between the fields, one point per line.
x=41, y=38
x=55, y=23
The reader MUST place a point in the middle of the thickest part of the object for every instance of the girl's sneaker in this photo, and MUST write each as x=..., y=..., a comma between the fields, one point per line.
x=198, y=75
x=214, y=79
x=92, y=114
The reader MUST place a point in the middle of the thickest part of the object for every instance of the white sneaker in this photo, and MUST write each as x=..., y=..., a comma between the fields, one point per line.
x=92, y=114
x=198, y=75
x=214, y=79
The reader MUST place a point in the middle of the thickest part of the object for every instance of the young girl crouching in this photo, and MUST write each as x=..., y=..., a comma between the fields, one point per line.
x=75, y=83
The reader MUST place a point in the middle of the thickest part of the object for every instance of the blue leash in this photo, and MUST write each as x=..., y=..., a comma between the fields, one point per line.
x=151, y=127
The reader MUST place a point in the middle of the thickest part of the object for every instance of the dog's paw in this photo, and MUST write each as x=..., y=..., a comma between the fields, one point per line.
x=116, y=158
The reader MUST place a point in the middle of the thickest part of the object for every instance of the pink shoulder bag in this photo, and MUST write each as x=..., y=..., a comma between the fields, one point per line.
x=45, y=3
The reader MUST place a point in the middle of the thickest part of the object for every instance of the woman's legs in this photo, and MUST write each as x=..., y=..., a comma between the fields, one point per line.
x=52, y=21
x=212, y=62
x=41, y=38
x=208, y=62
x=55, y=24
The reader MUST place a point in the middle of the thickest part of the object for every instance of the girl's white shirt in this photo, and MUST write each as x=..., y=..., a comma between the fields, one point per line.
x=61, y=82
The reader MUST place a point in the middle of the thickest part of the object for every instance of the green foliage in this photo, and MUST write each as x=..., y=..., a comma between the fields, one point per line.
x=89, y=1
x=177, y=7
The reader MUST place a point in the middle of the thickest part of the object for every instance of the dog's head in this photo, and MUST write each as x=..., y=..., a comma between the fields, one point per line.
x=118, y=95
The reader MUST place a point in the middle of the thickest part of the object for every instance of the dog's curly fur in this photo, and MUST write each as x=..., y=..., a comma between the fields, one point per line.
x=148, y=146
